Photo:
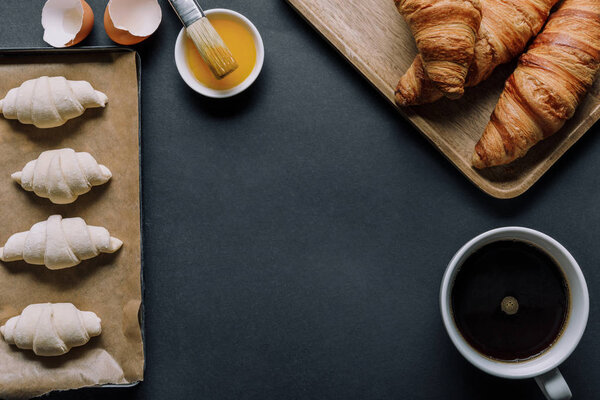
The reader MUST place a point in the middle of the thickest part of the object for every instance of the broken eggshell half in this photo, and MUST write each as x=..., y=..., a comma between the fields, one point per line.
x=66, y=22
x=131, y=21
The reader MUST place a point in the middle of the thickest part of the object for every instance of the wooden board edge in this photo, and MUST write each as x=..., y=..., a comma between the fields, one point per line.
x=416, y=121
x=421, y=125
x=577, y=134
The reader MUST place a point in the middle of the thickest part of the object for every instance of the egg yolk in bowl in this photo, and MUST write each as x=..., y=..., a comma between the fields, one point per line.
x=240, y=42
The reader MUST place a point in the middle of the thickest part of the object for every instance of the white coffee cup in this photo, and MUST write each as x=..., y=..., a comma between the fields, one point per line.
x=543, y=367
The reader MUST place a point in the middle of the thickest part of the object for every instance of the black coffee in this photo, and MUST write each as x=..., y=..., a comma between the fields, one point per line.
x=510, y=300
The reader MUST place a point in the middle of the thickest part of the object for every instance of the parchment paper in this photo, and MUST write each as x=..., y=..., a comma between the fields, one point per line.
x=109, y=284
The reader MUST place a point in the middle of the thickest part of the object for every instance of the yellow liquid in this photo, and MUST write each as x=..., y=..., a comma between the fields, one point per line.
x=239, y=40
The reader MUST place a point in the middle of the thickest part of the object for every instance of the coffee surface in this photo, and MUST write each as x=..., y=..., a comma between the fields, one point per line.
x=488, y=284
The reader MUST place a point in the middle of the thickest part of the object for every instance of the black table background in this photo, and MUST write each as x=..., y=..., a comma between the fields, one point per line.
x=295, y=236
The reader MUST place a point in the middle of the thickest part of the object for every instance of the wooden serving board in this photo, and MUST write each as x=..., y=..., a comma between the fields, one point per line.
x=372, y=35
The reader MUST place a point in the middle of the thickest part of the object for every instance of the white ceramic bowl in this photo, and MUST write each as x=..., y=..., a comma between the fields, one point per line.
x=576, y=322
x=188, y=76
x=544, y=367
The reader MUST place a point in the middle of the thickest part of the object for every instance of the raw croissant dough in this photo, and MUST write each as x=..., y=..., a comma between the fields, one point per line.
x=51, y=329
x=49, y=102
x=59, y=243
x=62, y=175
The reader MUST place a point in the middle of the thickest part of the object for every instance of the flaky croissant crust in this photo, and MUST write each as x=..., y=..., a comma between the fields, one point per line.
x=445, y=32
x=506, y=27
x=548, y=85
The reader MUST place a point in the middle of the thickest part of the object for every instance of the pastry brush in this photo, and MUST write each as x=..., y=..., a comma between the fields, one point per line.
x=208, y=42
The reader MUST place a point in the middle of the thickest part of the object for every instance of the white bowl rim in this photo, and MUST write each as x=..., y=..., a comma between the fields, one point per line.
x=498, y=368
x=192, y=82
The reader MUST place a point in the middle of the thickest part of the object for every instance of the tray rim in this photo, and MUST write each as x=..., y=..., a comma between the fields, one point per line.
x=421, y=125
x=12, y=51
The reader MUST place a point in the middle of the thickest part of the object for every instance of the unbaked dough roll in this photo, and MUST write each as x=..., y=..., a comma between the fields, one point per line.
x=48, y=102
x=51, y=329
x=59, y=243
x=62, y=175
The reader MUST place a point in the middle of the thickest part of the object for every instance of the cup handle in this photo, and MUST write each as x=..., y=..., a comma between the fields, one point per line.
x=553, y=385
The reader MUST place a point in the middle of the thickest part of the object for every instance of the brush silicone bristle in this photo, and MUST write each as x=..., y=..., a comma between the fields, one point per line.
x=211, y=47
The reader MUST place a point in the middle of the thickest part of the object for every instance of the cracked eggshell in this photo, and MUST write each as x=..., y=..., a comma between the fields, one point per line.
x=66, y=22
x=131, y=21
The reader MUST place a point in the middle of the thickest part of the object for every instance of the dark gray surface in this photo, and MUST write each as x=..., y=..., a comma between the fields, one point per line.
x=296, y=236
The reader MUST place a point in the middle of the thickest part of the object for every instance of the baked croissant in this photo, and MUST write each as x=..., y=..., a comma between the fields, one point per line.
x=49, y=102
x=62, y=175
x=549, y=83
x=506, y=28
x=445, y=32
x=51, y=329
x=59, y=243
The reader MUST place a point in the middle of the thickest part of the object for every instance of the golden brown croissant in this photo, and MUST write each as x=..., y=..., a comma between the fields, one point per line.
x=549, y=83
x=506, y=27
x=445, y=32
